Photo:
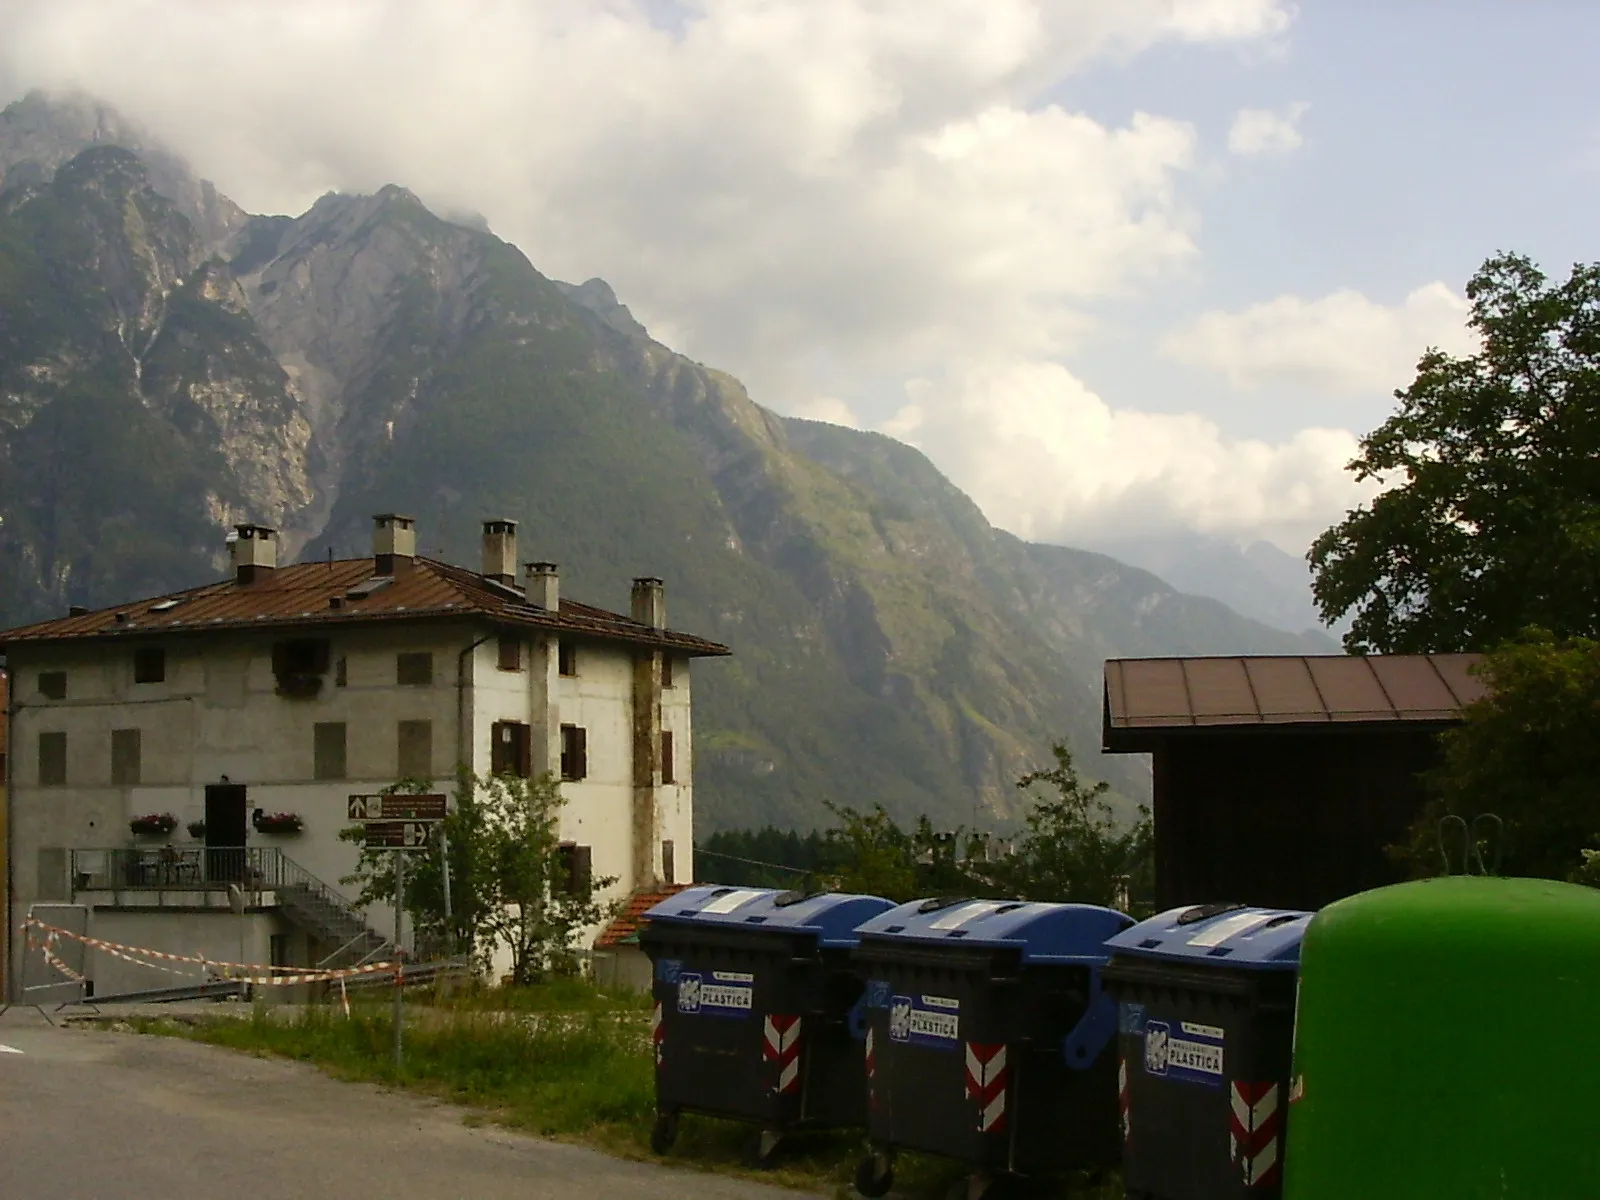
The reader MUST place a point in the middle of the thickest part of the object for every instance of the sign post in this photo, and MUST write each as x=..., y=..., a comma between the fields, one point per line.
x=402, y=825
x=399, y=954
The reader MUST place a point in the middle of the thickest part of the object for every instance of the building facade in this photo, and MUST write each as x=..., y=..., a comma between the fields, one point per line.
x=283, y=690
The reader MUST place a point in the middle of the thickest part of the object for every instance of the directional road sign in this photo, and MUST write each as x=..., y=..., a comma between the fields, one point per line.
x=391, y=807
x=398, y=835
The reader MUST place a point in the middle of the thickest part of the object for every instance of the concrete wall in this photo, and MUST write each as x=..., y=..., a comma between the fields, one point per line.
x=218, y=714
x=213, y=935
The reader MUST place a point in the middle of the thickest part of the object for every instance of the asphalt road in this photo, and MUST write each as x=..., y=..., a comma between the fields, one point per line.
x=86, y=1115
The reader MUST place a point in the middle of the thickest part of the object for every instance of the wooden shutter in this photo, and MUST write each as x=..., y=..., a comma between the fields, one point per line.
x=328, y=749
x=583, y=753
x=510, y=653
x=125, y=756
x=666, y=756
x=52, y=759
x=524, y=750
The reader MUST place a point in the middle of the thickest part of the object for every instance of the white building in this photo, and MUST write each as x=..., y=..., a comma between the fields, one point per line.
x=286, y=690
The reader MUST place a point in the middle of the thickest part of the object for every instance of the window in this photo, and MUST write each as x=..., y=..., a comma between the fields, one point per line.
x=327, y=753
x=567, y=656
x=414, y=668
x=125, y=755
x=669, y=871
x=150, y=665
x=299, y=666
x=52, y=759
x=510, y=749
x=53, y=685
x=303, y=656
x=666, y=670
x=341, y=672
x=577, y=869
x=416, y=750
x=666, y=757
x=574, y=752
x=510, y=653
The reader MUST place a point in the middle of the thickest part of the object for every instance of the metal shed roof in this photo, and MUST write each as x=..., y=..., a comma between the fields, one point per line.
x=1149, y=698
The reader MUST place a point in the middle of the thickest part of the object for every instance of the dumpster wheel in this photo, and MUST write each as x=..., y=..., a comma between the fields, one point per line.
x=875, y=1174
x=664, y=1132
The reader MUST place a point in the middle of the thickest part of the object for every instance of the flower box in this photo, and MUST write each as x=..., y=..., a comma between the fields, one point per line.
x=197, y=829
x=153, y=825
x=282, y=822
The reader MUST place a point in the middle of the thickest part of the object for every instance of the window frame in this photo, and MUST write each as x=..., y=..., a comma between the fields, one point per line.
x=58, y=737
x=52, y=693
x=414, y=659
x=122, y=775
x=668, y=772
x=317, y=761
x=511, y=755
x=143, y=658
x=508, y=647
x=574, y=753
x=566, y=658
x=401, y=771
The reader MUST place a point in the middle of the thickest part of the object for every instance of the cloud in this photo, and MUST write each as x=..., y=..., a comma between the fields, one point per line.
x=1262, y=131
x=1049, y=460
x=1343, y=342
x=827, y=408
x=824, y=197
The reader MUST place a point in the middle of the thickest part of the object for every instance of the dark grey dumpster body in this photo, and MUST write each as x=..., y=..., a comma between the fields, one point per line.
x=753, y=990
x=1205, y=1031
x=988, y=1038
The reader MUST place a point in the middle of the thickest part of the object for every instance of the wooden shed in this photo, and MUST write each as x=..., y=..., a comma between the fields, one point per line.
x=1279, y=780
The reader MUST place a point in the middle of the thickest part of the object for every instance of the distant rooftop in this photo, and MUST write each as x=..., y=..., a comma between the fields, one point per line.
x=1150, y=699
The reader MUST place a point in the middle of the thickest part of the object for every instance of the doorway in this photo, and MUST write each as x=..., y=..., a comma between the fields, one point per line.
x=226, y=809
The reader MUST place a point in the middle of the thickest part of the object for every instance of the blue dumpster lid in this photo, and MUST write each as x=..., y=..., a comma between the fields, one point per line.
x=831, y=916
x=1233, y=935
x=1046, y=933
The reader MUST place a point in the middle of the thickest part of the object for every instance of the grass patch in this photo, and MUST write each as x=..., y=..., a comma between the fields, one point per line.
x=562, y=1060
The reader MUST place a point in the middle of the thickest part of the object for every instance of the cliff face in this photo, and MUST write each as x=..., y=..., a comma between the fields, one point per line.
x=166, y=368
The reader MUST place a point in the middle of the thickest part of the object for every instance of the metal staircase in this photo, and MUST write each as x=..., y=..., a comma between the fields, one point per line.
x=322, y=912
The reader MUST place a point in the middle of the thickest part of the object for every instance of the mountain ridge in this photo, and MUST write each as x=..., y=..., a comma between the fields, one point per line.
x=891, y=645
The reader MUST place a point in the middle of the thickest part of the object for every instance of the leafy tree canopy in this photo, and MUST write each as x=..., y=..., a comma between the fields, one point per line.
x=1492, y=522
x=1527, y=753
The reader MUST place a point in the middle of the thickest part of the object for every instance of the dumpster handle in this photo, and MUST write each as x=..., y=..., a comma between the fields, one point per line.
x=1094, y=1029
x=856, y=1019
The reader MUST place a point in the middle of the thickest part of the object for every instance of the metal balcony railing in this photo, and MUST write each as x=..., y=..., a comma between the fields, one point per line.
x=305, y=899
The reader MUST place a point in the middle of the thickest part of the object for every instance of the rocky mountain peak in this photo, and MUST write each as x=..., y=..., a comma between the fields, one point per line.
x=43, y=131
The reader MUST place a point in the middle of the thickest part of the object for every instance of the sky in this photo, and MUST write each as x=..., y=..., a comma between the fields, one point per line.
x=1119, y=267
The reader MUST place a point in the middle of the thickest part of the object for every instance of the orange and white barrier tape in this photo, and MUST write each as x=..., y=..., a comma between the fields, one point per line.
x=140, y=956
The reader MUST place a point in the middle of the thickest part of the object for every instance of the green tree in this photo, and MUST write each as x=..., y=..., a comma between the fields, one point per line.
x=511, y=887
x=1526, y=752
x=1492, y=522
x=877, y=856
x=1074, y=849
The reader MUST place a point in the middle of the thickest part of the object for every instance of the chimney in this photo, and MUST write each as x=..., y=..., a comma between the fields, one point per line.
x=650, y=602
x=254, y=549
x=500, y=551
x=394, y=543
x=544, y=586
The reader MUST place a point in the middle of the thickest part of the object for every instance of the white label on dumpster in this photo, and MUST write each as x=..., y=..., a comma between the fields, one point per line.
x=1215, y=935
x=1196, y=1057
x=933, y=1021
x=726, y=904
x=699, y=996
x=962, y=913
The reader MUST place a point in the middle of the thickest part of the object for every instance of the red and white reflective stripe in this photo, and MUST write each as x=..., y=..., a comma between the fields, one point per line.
x=1255, y=1128
x=658, y=1031
x=872, y=1056
x=986, y=1083
x=1123, y=1105
x=781, y=1045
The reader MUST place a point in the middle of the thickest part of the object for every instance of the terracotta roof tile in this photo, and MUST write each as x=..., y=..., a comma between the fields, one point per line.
x=333, y=593
x=625, y=927
x=1146, y=698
